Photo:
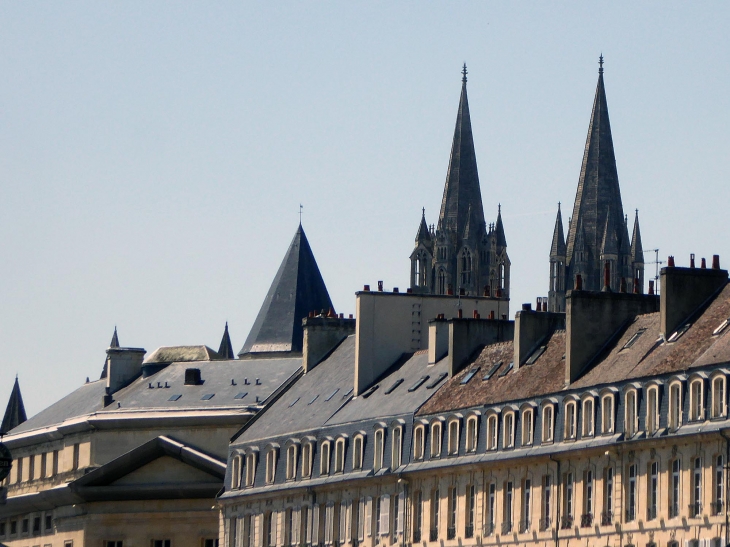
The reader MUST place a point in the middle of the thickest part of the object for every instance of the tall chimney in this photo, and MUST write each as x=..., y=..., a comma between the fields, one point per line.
x=123, y=366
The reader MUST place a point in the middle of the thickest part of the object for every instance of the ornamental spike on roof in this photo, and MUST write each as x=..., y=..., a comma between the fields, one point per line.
x=15, y=411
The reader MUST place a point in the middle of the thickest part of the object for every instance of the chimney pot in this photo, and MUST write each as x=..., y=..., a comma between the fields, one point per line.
x=526, y=306
x=607, y=276
x=544, y=304
x=651, y=286
x=578, y=282
x=462, y=292
x=475, y=314
x=350, y=316
x=395, y=290
x=703, y=263
x=491, y=314
x=486, y=290
x=622, y=287
x=192, y=377
x=459, y=314
x=366, y=288
x=692, y=260
x=715, y=262
x=450, y=290
x=380, y=286
x=636, y=285
x=670, y=262
x=538, y=305
x=499, y=293
x=409, y=290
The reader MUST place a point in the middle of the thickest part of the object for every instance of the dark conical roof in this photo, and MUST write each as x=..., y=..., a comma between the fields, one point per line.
x=499, y=229
x=15, y=411
x=462, y=179
x=113, y=344
x=226, y=348
x=558, y=246
x=598, y=187
x=423, y=234
x=297, y=289
x=637, y=251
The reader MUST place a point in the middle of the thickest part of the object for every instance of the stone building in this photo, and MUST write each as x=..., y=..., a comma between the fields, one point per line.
x=598, y=234
x=462, y=254
x=603, y=425
x=136, y=458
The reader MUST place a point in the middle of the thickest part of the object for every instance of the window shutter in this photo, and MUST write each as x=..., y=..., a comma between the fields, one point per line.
x=295, y=524
x=348, y=522
x=401, y=512
x=361, y=520
x=368, y=516
x=385, y=515
x=315, y=525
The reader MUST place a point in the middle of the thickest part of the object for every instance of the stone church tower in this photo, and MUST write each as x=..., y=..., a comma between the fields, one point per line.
x=598, y=247
x=462, y=253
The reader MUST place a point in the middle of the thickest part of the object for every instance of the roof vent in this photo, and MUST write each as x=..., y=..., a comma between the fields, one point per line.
x=192, y=377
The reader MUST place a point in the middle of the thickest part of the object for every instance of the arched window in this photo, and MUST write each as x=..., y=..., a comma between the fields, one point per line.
x=588, y=417
x=570, y=420
x=397, y=448
x=652, y=409
x=465, y=267
x=378, y=452
x=607, y=414
x=357, y=451
x=547, y=423
x=307, y=459
x=492, y=432
x=718, y=396
x=435, y=439
x=419, y=433
x=271, y=466
x=441, y=278
x=235, y=472
x=471, y=433
x=696, y=403
x=324, y=459
x=675, y=405
x=528, y=426
x=340, y=455
x=631, y=417
x=453, y=437
x=508, y=427
x=250, y=468
x=291, y=462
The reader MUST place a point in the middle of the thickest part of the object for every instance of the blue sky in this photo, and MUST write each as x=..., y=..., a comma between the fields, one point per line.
x=153, y=155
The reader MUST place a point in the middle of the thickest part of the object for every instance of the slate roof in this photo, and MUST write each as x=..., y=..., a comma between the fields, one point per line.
x=558, y=246
x=217, y=375
x=225, y=350
x=15, y=411
x=170, y=354
x=297, y=289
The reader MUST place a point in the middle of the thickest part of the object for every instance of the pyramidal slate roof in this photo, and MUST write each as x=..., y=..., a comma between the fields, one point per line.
x=297, y=289
x=637, y=250
x=113, y=344
x=462, y=179
x=558, y=246
x=226, y=348
x=15, y=411
x=598, y=188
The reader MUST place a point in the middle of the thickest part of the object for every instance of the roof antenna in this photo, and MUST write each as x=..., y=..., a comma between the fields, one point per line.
x=301, y=208
x=600, y=64
x=464, y=73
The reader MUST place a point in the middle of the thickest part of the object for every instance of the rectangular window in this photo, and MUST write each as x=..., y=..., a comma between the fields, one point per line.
x=361, y=520
x=491, y=510
x=507, y=513
x=25, y=526
x=696, y=508
x=207, y=542
x=586, y=519
x=345, y=521
x=161, y=543
x=674, y=491
x=607, y=516
x=567, y=518
x=31, y=467
x=329, y=523
x=470, y=509
x=434, y=516
x=417, y=516
x=113, y=543
x=631, y=494
x=19, y=465
x=526, y=498
x=36, y=525
x=75, y=463
x=451, y=527
x=653, y=491
x=44, y=459
x=54, y=469
x=719, y=490
x=545, y=520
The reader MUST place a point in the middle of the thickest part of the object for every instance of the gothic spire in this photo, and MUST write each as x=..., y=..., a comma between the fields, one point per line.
x=609, y=241
x=598, y=186
x=226, y=348
x=462, y=179
x=15, y=411
x=558, y=246
x=499, y=229
x=423, y=234
x=637, y=251
x=115, y=339
x=297, y=289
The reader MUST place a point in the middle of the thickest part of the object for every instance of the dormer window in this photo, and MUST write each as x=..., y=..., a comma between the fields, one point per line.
x=588, y=417
x=357, y=451
x=631, y=417
x=492, y=432
x=719, y=407
x=291, y=462
x=236, y=472
x=271, y=466
x=696, y=400
x=418, y=442
x=436, y=439
x=250, y=468
x=397, y=448
x=652, y=410
x=607, y=414
x=307, y=459
x=509, y=430
x=675, y=405
x=471, y=434
x=379, y=447
x=453, y=437
x=547, y=423
x=570, y=420
x=528, y=426
x=340, y=455
x=324, y=460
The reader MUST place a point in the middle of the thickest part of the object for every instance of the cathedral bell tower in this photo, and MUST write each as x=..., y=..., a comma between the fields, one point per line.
x=462, y=253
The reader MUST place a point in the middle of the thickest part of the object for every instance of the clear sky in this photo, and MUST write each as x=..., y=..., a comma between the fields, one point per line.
x=153, y=155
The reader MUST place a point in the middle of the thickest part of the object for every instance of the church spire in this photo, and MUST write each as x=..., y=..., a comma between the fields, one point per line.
x=637, y=251
x=15, y=411
x=115, y=339
x=226, y=348
x=462, y=179
x=557, y=248
x=423, y=235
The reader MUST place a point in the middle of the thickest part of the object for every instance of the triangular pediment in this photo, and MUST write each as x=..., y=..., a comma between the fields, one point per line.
x=165, y=470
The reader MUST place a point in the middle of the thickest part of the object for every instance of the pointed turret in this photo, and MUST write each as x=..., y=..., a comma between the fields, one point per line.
x=598, y=187
x=226, y=348
x=462, y=179
x=499, y=229
x=609, y=241
x=113, y=344
x=15, y=411
x=637, y=251
x=297, y=289
x=557, y=249
x=423, y=235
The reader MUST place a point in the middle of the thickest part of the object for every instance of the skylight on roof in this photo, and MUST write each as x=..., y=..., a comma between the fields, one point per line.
x=679, y=332
x=174, y=398
x=492, y=370
x=395, y=385
x=505, y=371
x=469, y=376
x=370, y=391
x=207, y=397
x=721, y=328
x=346, y=395
x=437, y=380
x=535, y=355
x=418, y=383
x=294, y=402
x=332, y=394
x=241, y=395
x=315, y=398
x=634, y=338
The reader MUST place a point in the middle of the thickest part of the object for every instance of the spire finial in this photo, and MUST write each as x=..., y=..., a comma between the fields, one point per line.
x=600, y=64
x=499, y=208
x=423, y=212
x=301, y=208
x=464, y=73
x=558, y=206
